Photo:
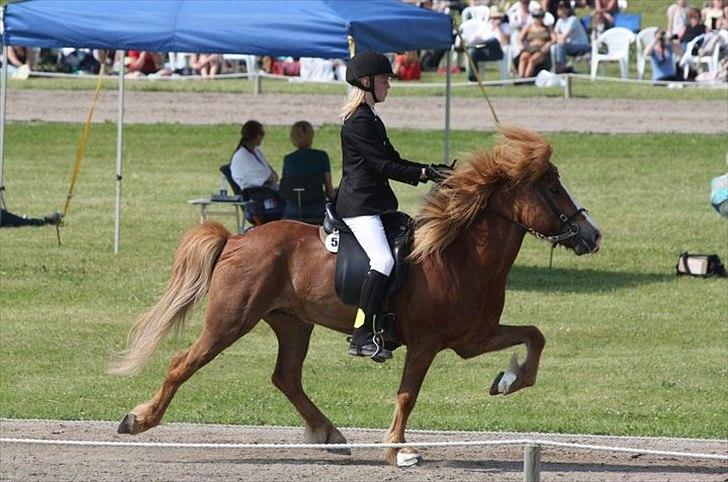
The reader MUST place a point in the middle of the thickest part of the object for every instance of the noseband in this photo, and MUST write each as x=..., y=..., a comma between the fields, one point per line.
x=568, y=221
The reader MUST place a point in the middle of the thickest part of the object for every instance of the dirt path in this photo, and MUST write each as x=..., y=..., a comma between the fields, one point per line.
x=502, y=463
x=541, y=114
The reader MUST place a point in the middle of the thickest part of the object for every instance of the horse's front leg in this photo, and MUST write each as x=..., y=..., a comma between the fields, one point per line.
x=416, y=364
x=516, y=376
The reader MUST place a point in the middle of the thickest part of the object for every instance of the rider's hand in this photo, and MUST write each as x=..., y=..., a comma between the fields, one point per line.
x=437, y=172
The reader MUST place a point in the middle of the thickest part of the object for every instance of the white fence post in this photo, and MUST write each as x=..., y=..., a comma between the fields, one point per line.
x=532, y=463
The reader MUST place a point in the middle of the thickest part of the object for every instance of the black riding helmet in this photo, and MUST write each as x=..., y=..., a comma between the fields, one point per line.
x=367, y=64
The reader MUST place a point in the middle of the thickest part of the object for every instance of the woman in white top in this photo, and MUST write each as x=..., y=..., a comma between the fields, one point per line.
x=249, y=166
x=250, y=169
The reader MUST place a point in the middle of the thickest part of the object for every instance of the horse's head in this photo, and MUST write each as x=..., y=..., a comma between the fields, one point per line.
x=546, y=209
x=515, y=181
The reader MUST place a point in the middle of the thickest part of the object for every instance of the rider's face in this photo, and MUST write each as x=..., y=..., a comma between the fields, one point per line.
x=381, y=87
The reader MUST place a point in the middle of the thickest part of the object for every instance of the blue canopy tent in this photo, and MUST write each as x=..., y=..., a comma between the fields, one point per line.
x=299, y=28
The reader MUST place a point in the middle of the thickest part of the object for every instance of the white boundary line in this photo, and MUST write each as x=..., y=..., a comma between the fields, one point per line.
x=369, y=429
x=518, y=441
x=298, y=80
x=473, y=443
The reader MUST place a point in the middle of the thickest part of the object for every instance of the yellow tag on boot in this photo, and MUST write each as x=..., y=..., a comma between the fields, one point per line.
x=359, y=321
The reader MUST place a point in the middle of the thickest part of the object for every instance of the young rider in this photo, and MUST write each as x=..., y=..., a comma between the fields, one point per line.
x=369, y=161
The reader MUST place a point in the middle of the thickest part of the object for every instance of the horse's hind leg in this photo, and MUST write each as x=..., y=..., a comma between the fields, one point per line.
x=293, y=339
x=220, y=331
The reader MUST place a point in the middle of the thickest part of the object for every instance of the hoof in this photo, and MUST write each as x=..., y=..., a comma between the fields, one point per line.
x=408, y=459
x=127, y=424
x=335, y=437
x=494, y=386
x=326, y=435
x=503, y=383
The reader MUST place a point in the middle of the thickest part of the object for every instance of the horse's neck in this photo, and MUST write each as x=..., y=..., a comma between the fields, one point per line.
x=490, y=248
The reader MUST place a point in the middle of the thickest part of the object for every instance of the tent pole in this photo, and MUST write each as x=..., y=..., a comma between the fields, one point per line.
x=257, y=84
x=119, y=147
x=447, y=106
x=3, y=95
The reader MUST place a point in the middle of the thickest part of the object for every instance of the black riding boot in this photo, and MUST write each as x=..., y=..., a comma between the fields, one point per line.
x=363, y=341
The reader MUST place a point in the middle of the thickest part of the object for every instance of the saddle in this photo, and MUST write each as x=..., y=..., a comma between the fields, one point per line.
x=352, y=263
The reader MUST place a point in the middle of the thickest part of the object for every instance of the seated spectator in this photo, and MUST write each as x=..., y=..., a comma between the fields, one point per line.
x=692, y=30
x=677, y=17
x=486, y=41
x=19, y=58
x=719, y=194
x=407, y=66
x=661, y=56
x=250, y=171
x=306, y=167
x=288, y=66
x=10, y=220
x=571, y=37
x=599, y=24
x=552, y=7
x=208, y=65
x=536, y=40
x=518, y=17
x=607, y=9
x=712, y=14
x=144, y=63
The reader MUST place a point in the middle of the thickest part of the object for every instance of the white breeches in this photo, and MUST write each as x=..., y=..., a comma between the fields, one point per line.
x=369, y=231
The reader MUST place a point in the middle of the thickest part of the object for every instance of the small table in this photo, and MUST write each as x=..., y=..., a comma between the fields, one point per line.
x=237, y=204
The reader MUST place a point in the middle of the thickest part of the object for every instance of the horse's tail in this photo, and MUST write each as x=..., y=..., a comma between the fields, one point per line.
x=193, y=264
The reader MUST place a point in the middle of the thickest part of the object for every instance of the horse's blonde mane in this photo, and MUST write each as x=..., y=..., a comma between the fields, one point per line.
x=521, y=156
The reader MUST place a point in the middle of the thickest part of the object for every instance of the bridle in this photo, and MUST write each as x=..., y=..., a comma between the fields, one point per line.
x=568, y=221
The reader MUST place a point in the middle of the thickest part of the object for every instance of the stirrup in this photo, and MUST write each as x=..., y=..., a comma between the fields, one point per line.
x=372, y=350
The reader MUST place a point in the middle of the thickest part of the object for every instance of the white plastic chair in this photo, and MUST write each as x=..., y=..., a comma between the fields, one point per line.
x=617, y=40
x=644, y=38
x=250, y=61
x=709, y=59
x=179, y=60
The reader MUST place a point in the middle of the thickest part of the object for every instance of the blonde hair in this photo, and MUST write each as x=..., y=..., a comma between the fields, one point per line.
x=356, y=97
x=302, y=134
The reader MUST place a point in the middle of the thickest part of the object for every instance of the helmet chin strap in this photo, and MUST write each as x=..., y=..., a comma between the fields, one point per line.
x=371, y=89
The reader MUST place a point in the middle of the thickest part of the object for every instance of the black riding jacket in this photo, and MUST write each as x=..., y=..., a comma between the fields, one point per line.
x=369, y=161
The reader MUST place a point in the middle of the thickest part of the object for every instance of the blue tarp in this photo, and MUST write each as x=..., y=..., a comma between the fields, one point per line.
x=299, y=28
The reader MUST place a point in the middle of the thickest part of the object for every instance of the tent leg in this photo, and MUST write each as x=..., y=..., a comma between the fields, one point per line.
x=119, y=148
x=256, y=78
x=3, y=95
x=447, y=106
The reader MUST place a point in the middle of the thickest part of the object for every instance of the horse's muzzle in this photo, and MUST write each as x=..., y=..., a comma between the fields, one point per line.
x=587, y=241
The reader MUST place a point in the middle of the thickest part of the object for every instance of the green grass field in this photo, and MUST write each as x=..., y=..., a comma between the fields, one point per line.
x=631, y=349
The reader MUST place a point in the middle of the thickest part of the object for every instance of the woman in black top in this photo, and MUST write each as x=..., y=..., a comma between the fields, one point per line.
x=369, y=162
x=692, y=30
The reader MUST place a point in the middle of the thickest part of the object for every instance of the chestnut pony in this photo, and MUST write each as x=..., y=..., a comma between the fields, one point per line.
x=467, y=237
